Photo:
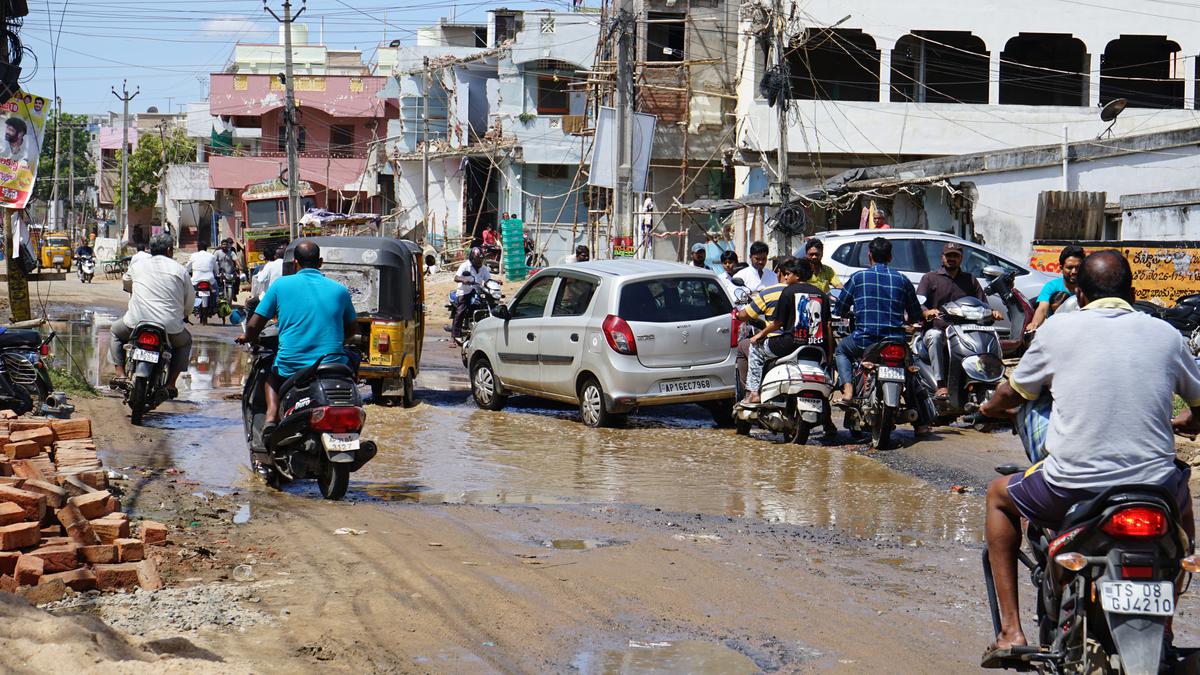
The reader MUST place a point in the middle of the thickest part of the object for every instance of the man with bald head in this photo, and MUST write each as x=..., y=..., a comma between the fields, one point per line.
x=1113, y=374
x=315, y=317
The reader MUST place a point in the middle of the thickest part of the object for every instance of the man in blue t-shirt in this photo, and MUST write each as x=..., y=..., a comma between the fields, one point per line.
x=1069, y=261
x=315, y=316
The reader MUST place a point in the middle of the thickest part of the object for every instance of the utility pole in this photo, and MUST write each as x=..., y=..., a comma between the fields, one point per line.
x=623, y=197
x=293, y=208
x=55, y=208
x=71, y=180
x=125, y=98
x=781, y=158
x=425, y=148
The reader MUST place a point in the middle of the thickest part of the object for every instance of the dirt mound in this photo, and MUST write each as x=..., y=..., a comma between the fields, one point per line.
x=35, y=641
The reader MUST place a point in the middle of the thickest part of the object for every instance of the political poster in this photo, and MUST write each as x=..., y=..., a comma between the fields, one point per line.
x=24, y=123
x=1166, y=270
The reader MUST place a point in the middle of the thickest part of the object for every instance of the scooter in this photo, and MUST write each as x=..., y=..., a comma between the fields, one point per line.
x=1016, y=307
x=148, y=363
x=975, y=363
x=794, y=396
x=318, y=435
x=1107, y=581
x=86, y=267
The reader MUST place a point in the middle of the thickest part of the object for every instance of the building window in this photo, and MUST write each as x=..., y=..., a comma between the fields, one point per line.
x=507, y=27
x=552, y=171
x=841, y=64
x=1146, y=70
x=1044, y=69
x=552, y=95
x=301, y=138
x=940, y=67
x=547, y=25
x=341, y=141
x=665, y=36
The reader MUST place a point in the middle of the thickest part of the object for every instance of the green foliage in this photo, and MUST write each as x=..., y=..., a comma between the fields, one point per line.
x=68, y=380
x=527, y=117
x=155, y=151
x=85, y=167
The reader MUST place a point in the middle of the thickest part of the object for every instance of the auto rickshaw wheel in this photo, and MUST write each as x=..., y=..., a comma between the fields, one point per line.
x=377, y=396
x=408, y=399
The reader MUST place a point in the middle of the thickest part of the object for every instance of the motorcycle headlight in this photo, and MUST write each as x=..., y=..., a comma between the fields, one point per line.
x=983, y=367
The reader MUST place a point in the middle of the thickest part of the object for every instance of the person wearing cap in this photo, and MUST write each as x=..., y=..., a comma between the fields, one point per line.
x=699, y=255
x=945, y=284
x=471, y=276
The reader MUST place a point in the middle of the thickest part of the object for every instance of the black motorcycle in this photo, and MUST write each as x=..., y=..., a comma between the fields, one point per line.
x=481, y=300
x=206, y=301
x=885, y=390
x=322, y=417
x=1107, y=583
x=148, y=364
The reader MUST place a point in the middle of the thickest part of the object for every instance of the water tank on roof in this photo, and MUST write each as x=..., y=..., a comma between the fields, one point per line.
x=299, y=34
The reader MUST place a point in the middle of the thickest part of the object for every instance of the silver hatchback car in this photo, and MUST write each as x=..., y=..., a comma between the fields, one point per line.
x=610, y=336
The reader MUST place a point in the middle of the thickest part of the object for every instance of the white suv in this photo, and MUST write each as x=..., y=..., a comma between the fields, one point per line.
x=610, y=336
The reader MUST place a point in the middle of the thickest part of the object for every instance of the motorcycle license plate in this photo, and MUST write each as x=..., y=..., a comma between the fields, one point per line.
x=681, y=386
x=809, y=404
x=339, y=442
x=891, y=374
x=145, y=355
x=1156, y=598
x=203, y=294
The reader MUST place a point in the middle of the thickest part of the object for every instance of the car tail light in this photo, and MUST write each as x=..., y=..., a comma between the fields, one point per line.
x=383, y=343
x=735, y=329
x=148, y=340
x=619, y=335
x=337, y=419
x=1136, y=522
x=203, y=285
x=1137, y=572
x=892, y=355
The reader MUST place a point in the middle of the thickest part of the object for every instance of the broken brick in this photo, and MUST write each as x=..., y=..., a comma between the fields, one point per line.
x=78, y=528
x=78, y=580
x=148, y=577
x=130, y=550
x=11, y=513
x=100, y=554
x=57, y=558
x=110, y=529
x=118, y=576
x=23, y=468
x=33, y=503
x=153, y=533
x=29, y=570
x=22, y=450
x=55, y=496
x=8, y=562
x=72, y=429
x=94, y=504
x=42, y=436
x=19, y=535
x=8, y=584
x=41, y=594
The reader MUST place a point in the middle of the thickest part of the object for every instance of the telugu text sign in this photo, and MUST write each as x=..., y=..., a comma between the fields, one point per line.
x=1166, y=270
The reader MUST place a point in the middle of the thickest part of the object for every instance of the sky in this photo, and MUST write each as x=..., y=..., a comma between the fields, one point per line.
x=169, y=47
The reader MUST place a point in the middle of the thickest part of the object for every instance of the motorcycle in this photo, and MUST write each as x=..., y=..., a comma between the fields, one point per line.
x=206, y=301
x=318, y=435
x=148, y=363
x=481, y=299
x=85, y=265
x=883, y=392
x=226, y=298
x=1016, y=307
x=1107, y=580
x=794, y=396
x=491, y=256
x=21, y=354
x=975, y=363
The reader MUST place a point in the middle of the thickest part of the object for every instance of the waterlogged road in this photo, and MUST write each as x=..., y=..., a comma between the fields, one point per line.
x=521, y=541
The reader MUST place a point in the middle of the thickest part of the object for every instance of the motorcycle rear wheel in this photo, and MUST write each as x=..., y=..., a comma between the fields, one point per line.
x=881, y=428
x=333, y=480
x=137, y=400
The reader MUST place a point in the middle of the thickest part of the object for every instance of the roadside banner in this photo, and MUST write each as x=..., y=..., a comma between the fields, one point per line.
x=1167, y=270
x=24, y=124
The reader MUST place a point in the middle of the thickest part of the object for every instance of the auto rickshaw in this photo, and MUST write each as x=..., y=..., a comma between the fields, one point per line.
x=55, y=252
x=387, y=284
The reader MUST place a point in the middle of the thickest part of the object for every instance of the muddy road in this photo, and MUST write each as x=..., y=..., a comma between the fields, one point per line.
x=521, y=541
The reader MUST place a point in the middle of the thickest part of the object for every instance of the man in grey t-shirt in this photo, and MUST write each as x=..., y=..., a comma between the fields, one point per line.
x=1112, y=373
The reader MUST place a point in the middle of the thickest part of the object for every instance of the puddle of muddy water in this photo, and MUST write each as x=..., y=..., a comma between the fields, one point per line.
x=685, y=656
x=456, y=453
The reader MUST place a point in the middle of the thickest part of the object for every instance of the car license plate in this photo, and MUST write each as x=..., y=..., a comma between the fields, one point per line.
x=683, y=386
x=891, y=374
x=1156, y=598
x=145, y=355
x=339, y=442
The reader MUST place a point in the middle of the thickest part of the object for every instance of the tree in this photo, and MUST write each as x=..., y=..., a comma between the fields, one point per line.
x=85, y=167
x=156, y=150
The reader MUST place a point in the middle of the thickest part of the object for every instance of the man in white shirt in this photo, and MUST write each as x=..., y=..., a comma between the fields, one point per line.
x=471, y=274
x=581, y=254
x=140, y=255
x=757, y=277
x=161, y=293
x=270, y=272
x=203, y=265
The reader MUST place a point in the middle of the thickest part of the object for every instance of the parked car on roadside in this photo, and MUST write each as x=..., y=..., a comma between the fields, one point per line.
x=915, y=252
x=610, y=336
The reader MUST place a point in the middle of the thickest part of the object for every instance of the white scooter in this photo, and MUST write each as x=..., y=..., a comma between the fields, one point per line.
x=794, y=396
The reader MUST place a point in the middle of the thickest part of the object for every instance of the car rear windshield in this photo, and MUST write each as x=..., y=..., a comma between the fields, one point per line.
x=673, y=299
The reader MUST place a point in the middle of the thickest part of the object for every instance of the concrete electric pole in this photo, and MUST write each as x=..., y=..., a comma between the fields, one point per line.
x=623, y=196
x=293, y=208
x=425, y=148
x=55, y=206
x=781, y=109
x=125, y=98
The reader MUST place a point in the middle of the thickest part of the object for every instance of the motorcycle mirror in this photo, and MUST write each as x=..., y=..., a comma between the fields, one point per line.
x=993, y=271
x=738, y=282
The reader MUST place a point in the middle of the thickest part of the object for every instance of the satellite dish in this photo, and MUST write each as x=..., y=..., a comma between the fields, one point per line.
x=152, y=109
x=1113, y=109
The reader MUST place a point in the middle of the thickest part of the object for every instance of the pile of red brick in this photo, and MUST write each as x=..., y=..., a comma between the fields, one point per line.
x=59, y=525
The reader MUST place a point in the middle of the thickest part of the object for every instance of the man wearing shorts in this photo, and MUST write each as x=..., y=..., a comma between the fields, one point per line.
x=1137, y=364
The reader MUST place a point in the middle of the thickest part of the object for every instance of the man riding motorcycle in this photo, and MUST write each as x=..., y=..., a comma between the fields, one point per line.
x=945, y=284
x=1126, y=440
x=315, y=316
x=881, y=298
x=161, y=293
x=203, y=267
x=227, y=265
x=470, y=274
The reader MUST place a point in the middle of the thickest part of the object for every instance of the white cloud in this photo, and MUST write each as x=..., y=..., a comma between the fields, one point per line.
x=234, y=28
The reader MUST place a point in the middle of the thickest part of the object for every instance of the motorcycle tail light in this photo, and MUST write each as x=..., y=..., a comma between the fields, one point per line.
x=203, y=285
x=735, y=329
x=813, y=377
x=338, y=419
x=1137, y=572
x=619, y=335
x=1071, y=561
x=892, y=355
x=1136, y=522
x=811, y=394
x=148, y=340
